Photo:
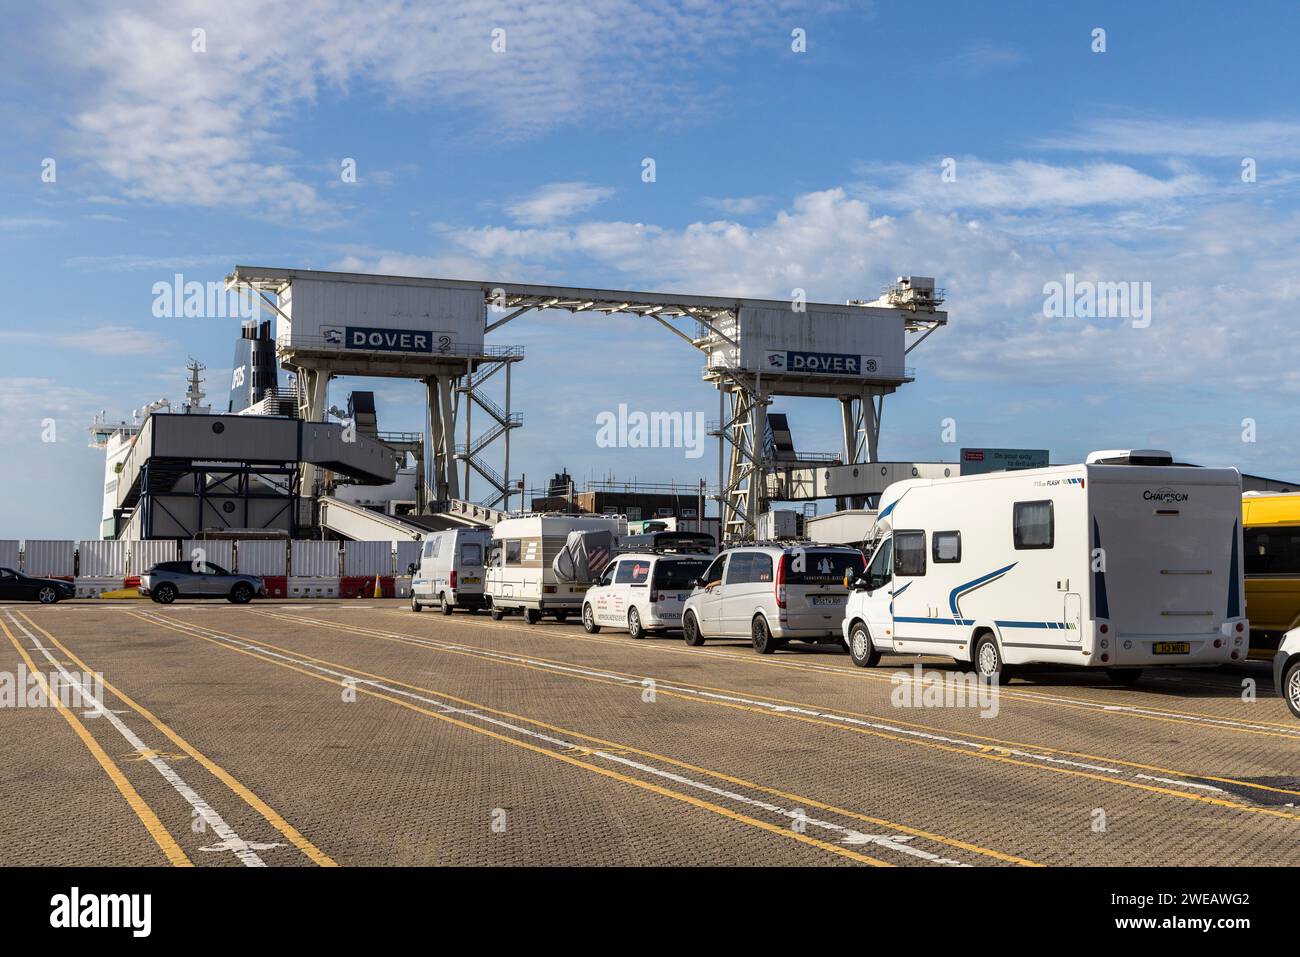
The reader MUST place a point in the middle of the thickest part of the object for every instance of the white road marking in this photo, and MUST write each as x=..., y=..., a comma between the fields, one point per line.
x=847, y=835
x=233, y=841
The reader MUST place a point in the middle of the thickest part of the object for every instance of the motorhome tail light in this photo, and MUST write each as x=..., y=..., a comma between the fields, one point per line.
x=781, y=568
x=1241, y=626
x=452, y=579
x=1234, y=656
x=1218, y=642
x=1104, y=629
x=1105, y=658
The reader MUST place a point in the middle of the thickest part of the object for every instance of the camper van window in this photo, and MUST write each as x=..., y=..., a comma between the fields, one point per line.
x=632, y=572
x=909, y=554
x=471, y=553
x=430, y=548
x=513, y=549
x=760, y=570
x=879, y=574
x=1032, y=525
x=738, y=570
x=1273, y=551
x=947, y=546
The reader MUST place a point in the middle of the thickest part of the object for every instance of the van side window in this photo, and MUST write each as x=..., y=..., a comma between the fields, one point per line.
x=909, y=554
x=1272, y=550
x=513, y=551
x=714, y=571
x=739, y=569
x=1032, y=524
x=632, y=572
x=761, y=568
x=429, y=546
x=947, y=547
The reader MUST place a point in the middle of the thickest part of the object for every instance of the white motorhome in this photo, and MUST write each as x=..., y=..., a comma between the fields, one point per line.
x=1122, y=563
x=521, y=574
x=450, y=571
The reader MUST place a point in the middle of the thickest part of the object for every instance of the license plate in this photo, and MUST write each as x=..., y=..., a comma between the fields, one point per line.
x=1172, y=648
x=825, y=600
x=467, y=580
x=669, y=614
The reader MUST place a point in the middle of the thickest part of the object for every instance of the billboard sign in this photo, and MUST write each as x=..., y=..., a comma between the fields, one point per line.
x=374, y=339
x=979, y=461
x=822, y=363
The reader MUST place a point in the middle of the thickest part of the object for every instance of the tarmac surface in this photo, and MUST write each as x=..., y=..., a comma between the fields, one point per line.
x=323, y=733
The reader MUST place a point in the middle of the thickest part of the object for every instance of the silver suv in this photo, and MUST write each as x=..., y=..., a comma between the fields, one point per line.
x=167, y=581
x=772, y=594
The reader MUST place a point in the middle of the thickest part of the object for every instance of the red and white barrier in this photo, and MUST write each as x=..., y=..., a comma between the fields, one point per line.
x=312, y=587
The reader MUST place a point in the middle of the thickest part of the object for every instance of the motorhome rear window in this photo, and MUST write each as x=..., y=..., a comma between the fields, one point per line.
x=947, y=547
x=1032, y=524
x=471, y=553
x=1273, y=550
x=817, y=567
x=909, y=554
x=678, y=574
x=632, y=572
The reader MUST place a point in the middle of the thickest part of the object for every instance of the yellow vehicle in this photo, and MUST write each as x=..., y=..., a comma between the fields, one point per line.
x=1271, y=527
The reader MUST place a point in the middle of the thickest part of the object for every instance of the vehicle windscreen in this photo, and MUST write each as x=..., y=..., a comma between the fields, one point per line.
x=821, y=567
x=680, y=573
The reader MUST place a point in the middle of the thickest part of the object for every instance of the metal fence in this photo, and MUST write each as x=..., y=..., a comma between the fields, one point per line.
x=315, y=560
x=101, y=559
x=49, y=558
x=367, y=558
x=262, y=558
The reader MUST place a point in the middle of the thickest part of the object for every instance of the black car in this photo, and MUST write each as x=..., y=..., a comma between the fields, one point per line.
x=15, y=586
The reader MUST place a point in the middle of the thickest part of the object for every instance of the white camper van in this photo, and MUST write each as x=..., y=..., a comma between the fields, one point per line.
x=537, y=565
x=450, y=572
x=1124, y=562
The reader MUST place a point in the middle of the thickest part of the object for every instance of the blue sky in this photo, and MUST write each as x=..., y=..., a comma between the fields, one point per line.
x=774, y=170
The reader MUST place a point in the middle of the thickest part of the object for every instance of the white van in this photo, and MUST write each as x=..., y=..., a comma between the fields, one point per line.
x=643, y=592
x=450, y=572
x=1124, y=562
x=771, y=594
x=1286, y=670
x=521, y=572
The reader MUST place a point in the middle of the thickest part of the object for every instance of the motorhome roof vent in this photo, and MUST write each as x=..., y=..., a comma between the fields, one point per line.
x=1130, y=457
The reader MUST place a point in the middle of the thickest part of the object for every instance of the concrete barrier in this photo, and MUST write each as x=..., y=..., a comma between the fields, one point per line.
x=312, y=587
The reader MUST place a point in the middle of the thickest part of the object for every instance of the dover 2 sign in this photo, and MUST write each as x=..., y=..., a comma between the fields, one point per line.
x=374, y=339
x=823, y=363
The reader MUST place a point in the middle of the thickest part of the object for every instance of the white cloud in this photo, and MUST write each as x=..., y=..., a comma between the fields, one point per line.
x=1024, y=185
x=737, y=205
x=174, y=126
x=103, y=340
x=557, y=201
x=1161, y=136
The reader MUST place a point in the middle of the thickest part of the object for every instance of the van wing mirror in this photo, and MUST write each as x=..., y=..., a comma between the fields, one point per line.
x=699, y=583
x=410, y=569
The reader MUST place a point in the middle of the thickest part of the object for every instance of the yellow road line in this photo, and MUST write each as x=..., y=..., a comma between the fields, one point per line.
x=605, y=772
x=1178, y=717
x=166, y=843
x=313, y=852
x=929, y=835
x=1043, y=749
x=867, y=731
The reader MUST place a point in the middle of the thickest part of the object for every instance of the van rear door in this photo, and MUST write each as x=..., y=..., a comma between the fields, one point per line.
x=1170, y=559
x=813, y=582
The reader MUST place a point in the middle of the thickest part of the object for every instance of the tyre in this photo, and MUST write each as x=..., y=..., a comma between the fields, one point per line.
x=47, y=595
x=415, y=605
x=761, y=636
x=242, y=593
x=444, y=606
x=861, y=650
x=1124, y=676
x=988, y=660
x=165, y=593
x=562, y=616
x=589, y=621
x=1291, y=686
x=634, y=627
x=691, y=631
x=532, y=616
x=497, y=613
